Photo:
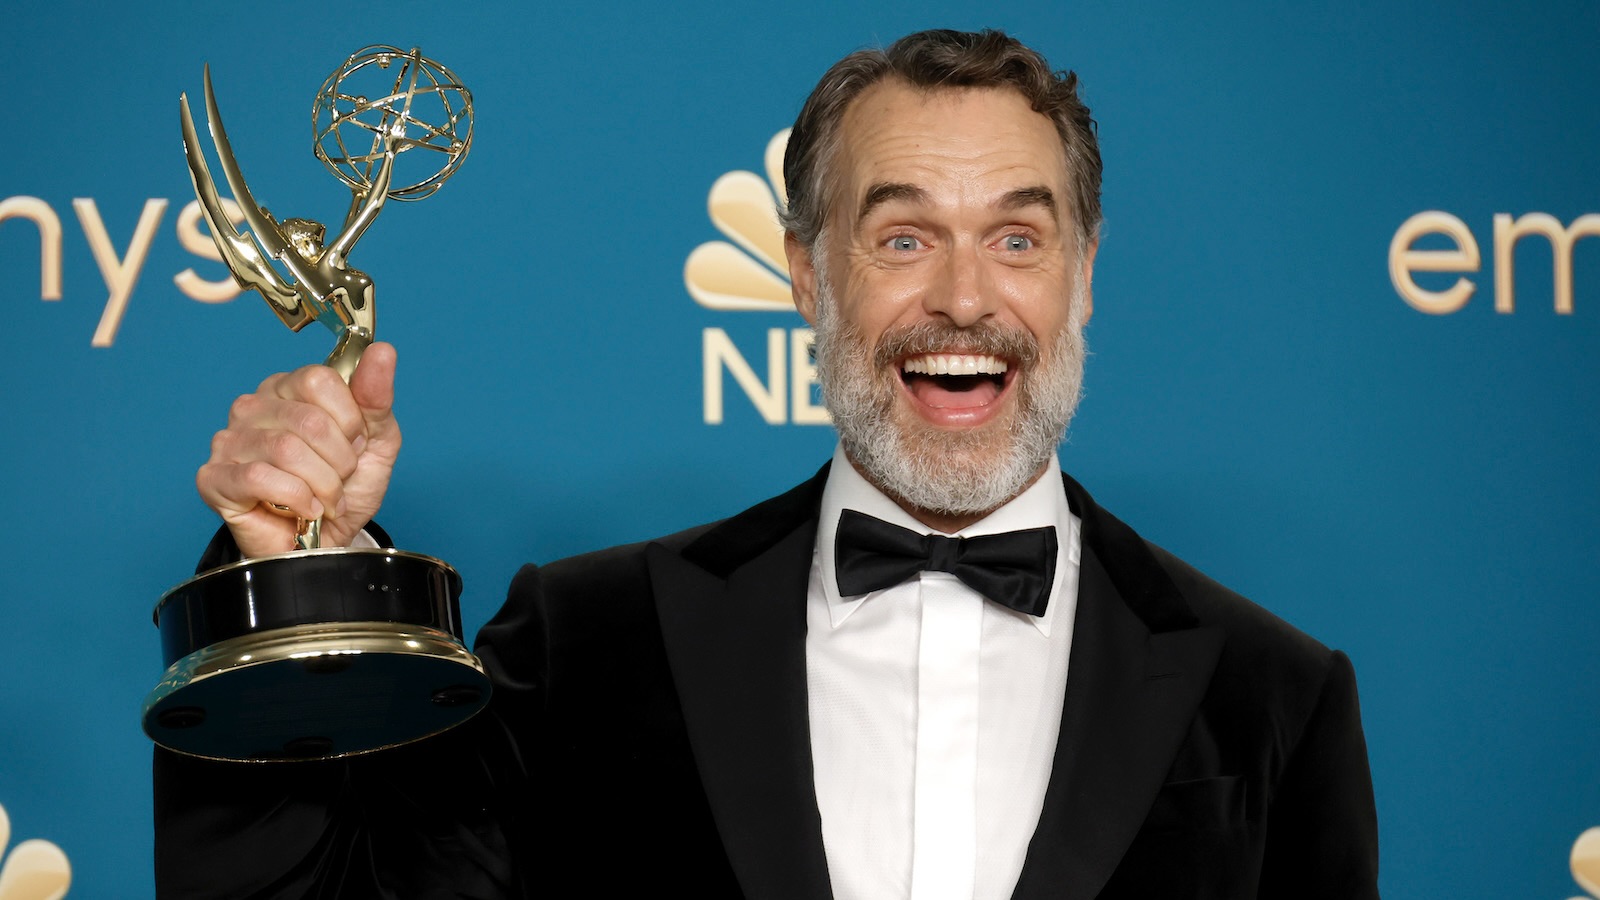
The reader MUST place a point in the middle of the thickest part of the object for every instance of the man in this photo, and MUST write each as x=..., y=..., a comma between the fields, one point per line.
x=781, y=704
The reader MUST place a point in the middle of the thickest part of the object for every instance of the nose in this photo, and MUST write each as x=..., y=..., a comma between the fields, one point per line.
x=960, y=290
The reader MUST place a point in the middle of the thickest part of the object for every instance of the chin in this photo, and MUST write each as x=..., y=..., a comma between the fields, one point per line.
x=942, y=469
x=876, y=394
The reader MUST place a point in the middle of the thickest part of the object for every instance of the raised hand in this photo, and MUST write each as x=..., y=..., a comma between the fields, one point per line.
x=306, y=442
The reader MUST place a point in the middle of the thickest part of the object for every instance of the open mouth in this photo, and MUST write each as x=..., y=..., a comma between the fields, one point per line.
x=955, y=381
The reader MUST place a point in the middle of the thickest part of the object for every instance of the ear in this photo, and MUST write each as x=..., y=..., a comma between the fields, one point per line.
x=1087, y=264
x=802, y=277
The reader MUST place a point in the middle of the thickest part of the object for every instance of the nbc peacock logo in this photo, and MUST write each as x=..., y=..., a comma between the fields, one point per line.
x=1586, y=863
x=746, y=273
x=754, y=275
x=34, y=870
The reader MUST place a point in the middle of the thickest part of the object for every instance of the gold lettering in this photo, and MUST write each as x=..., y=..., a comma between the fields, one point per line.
x=40, y=213
x=120, y=274
x=802, y=375
x=1506, y=235
x=1403, y=261
x=199, y=243
x=719, y=353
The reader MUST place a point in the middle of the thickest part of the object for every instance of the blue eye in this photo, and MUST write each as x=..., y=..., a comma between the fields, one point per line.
x=904, y=243
x=1017, y=243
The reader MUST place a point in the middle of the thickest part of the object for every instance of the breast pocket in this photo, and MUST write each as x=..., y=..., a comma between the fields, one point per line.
x=1196, y=842
x=1201, y=804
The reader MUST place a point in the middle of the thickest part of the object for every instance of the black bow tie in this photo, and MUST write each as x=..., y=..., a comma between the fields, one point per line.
x=1015, y=569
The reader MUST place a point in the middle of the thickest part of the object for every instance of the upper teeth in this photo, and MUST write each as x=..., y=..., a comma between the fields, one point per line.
x=954, y=364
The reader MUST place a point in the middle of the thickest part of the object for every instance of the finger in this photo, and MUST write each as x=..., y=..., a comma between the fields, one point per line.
x=321, y=387
x=240, y=454
x=236, y=490
x=372, y=387
x=260, y=533
x=256, y=422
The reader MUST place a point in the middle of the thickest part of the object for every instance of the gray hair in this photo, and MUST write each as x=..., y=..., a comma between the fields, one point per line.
x=934, y=60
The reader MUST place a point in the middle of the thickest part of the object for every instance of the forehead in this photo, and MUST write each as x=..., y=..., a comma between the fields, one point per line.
x=961, y=145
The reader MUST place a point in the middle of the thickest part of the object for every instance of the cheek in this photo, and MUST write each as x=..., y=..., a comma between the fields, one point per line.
x=874, y=300
x=1041, y=304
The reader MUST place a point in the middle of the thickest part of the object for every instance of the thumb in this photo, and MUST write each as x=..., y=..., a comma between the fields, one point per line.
x=372, y=385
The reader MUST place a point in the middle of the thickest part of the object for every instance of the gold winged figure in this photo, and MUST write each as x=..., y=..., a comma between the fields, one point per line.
x=323, y=287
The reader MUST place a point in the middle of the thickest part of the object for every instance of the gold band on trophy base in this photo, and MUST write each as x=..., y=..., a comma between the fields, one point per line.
x=311, y=655
x=322, y=653
x=395, y=684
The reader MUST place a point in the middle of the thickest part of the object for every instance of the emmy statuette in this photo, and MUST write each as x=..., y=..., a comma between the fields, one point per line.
x=323, y=652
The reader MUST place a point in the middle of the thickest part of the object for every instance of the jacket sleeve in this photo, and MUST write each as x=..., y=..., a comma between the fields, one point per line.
x=433, y=818
x=1322, y=824
x=414, y=821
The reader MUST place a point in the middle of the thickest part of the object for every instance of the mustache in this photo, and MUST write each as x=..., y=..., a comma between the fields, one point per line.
x=1008, y=342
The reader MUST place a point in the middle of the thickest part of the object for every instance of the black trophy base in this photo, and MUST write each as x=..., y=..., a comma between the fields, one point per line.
x=315, y=654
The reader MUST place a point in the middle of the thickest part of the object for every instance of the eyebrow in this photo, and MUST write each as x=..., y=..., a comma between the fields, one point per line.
x=886, y=191
x=1022, y=198
x=889, y=191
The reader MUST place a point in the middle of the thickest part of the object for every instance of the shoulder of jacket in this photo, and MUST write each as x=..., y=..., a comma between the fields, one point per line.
x=1258, y=640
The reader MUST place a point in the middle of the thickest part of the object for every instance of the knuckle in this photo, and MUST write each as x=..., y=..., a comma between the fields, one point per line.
x=205, y=479
x=320, y=380
x=284, y=446
x=314, y=424
x=243, y=408
x=256, y=476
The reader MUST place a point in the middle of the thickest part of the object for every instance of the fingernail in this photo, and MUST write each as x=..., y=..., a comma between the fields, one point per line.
x=316, y=509
x=359, y=444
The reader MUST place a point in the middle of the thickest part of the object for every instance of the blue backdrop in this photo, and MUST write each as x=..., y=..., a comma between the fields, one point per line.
x=1416, y=487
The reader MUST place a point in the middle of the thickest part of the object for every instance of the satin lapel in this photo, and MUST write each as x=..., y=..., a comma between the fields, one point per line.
x=1130, y=697
x=736, y=646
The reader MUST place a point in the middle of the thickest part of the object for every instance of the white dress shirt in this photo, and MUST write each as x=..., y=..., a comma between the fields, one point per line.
x=934, y=713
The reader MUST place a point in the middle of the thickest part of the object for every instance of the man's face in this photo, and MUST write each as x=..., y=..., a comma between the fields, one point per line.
x=948, y=293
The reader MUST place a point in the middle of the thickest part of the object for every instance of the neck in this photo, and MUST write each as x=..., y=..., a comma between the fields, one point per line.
x=945, y=522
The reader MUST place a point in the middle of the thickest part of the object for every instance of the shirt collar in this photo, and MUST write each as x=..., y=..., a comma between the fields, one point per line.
x=1043, y=503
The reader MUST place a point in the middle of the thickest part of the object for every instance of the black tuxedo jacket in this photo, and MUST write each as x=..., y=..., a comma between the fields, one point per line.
x=649, y=731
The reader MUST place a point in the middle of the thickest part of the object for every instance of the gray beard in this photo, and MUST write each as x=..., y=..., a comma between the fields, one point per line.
x=947, y=472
